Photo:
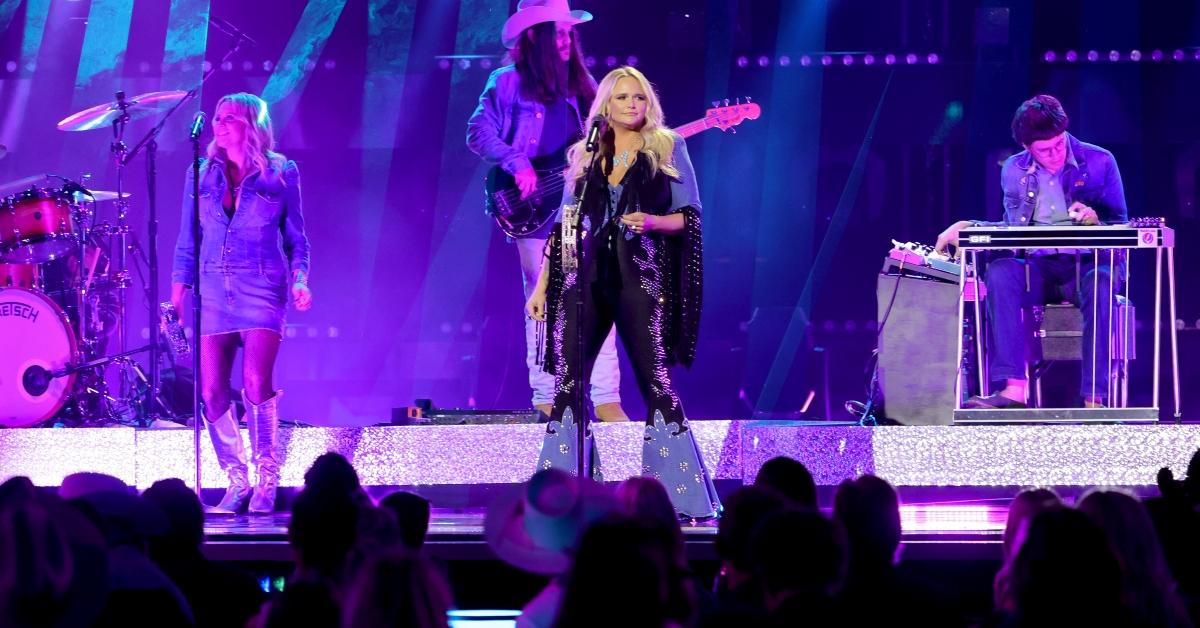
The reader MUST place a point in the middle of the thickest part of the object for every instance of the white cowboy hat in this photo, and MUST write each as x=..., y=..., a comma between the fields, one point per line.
x=530, y=12
x=535, y=526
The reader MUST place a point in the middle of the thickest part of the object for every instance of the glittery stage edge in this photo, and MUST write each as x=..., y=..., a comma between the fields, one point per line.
x=977, y=455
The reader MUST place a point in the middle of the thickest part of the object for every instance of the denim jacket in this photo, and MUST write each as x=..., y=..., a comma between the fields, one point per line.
x=505, y=128
x=265, y=236
x=1094, y=180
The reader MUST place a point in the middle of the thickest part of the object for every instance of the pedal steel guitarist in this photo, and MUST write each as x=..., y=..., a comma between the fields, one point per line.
x=533, y=108
x=1056, y=180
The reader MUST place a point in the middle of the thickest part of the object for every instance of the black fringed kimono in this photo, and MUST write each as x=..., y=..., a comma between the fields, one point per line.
x=650, y=286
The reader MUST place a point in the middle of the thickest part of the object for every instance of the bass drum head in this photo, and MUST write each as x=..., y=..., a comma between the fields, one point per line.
x=35, y=335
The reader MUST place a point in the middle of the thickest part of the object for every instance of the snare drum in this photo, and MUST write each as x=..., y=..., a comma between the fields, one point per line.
x=37, y=226
x=37, y=340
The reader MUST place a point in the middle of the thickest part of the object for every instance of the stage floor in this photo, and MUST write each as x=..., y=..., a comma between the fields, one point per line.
x=487, y=455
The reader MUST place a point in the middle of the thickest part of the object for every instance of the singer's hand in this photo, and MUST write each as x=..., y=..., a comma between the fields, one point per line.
x=639, y=222
x=301, y=296
x=535, y=307
x=526, y=182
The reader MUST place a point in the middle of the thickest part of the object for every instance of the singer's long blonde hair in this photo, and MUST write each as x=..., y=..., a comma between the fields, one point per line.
x=259, y=138
x=658, y=142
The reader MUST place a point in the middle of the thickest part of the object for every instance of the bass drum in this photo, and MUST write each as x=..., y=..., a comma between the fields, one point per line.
x=36, y=338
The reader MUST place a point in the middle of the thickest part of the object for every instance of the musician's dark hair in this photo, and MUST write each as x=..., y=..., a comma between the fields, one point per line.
x=1039, y=118
x=544, y=77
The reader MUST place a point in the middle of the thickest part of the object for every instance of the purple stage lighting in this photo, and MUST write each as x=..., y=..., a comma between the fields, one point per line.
x=464, y=64
x=868, y=59
x=631, y=60
x=444, y=64
x=764, y=61
x=933, y=58
x=1156, y=55
x=1196, y=55
x=589, y=61
x=1072, y=56
x=1177, y=55
x=247, y=66
x=610, y=61
x=227, y=66
x=1093, y=56
x=910, y=59
x=826, y=60
x=742, y=61
x=1050, y=57
x=1114, y=56
x=11, y=66
x=784, y=61
x=1135, y=55
x=889, y=59
x=805, y=60
x=847, y=59
x=485, y=64
x=268, y=65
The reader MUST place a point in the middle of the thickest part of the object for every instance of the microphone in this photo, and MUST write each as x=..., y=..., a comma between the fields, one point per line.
x=197, y=125
x=231, y=30
x=71, y=186
x=593, y=136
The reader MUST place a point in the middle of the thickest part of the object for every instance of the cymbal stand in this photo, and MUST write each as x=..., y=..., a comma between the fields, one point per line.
x=121, y=274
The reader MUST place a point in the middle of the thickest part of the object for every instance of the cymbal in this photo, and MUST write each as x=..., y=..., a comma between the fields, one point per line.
x=99, y=196
x=102, y=115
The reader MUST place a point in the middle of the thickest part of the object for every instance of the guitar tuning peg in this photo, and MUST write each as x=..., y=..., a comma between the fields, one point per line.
x=738, y=101
x=716, y=103
x=734, y=129
x=726, y=102
x=747, y=100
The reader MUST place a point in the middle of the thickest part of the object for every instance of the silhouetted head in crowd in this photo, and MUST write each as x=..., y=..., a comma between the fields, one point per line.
x=185, y=517
x=635, y=557
x=53, y=559
x=412, y=516
x=869, y=511
x=331, y=472
x=304, y=603
x=1023, y=507
x=790, y=478
x=744, y=510
x=798, y=552
x=398, y=588
x=1065, y=574
x=1149, y=585
x=322, y=531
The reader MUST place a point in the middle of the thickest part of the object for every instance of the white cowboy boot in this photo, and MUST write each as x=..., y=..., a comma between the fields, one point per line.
x=231, y=455
x=263, y=419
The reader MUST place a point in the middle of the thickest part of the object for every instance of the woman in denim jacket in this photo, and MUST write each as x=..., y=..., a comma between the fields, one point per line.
x=253, y=255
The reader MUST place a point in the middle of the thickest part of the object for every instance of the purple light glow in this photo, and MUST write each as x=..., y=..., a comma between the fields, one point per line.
x=933, y=58
x=1114, y=56
x=247, y=66
x=589, y=61
x=268, y=65
x=910, y=59
x=826, y=60
x=1072, y=56
x=805, y=60
x=1093, y=56
x=889, y=59
x=1177, y=55
x=1156, y=55
x=631, y=60
x=785, y=61
x=464, y=64
x=742, y=62
x=1196, y=55
x=868, y=59
x=485, y=64
x=764, y=61
x=1050, y=56
x=1135, y=55
x=847, y=60
x=610, y=61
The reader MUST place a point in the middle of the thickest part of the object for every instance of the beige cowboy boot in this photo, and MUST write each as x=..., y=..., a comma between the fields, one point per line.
x=263, y=420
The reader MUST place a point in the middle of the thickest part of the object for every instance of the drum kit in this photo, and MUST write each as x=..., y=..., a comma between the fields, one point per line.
x=65, y=252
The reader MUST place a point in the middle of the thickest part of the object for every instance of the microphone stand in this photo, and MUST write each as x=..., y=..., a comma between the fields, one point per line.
x=582, y=460
x=149, y=142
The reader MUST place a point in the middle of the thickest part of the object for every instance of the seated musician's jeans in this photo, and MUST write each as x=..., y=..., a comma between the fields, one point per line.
x=1051, y=278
